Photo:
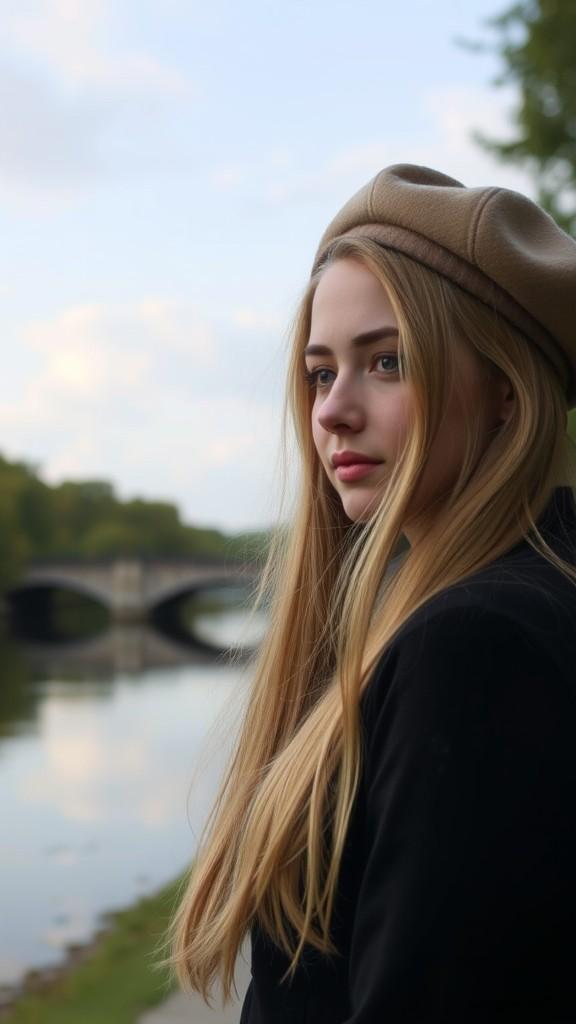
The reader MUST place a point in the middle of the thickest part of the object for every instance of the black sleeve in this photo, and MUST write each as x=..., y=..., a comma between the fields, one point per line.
x=465, y=903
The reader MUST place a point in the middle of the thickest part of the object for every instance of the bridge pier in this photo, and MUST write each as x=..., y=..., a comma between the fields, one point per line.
x=128, y=602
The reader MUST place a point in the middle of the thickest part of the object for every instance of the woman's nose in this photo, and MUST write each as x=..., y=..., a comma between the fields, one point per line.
x=342, y=408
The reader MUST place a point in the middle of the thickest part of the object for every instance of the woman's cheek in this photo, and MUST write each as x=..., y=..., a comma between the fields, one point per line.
x=320, y=439
x=394, y=428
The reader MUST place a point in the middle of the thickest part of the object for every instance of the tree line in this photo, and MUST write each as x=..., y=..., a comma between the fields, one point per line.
x=86, y=519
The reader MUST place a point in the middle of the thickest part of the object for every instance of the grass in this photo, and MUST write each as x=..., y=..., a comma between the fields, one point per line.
x=114, y=981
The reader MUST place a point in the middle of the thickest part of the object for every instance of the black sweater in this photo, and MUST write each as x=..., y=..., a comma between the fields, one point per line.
x=457, y=891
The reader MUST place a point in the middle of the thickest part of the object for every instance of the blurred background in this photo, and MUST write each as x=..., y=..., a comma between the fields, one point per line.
x=166, y=172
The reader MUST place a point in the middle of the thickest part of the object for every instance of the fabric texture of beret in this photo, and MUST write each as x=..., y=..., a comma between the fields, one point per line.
x=493, y=242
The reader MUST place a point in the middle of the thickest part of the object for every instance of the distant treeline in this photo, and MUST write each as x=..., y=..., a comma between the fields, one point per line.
x=87, y=520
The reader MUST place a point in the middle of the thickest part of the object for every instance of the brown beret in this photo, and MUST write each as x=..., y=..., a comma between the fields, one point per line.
x=495, y=243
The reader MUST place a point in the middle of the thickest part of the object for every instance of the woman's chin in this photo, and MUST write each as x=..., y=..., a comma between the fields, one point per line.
x=357, y=506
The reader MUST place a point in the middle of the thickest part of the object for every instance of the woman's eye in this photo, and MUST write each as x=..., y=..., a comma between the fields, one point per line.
x=385, y=359
x=316, y=378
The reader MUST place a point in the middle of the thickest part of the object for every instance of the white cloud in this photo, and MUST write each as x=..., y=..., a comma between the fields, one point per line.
x=144, y=325
x=228, y=177
x=354, y=163
x=240, y=174
x=277, y=178
x=92, y=352
x=99, y=365
x=456, y=111
x=74, y=95
x=258, y=320
x=155, y=398
x=452, y=113
x=82, y=358
x=178, y=328
x=47, y=141
x=70, y=38
x=79, y=458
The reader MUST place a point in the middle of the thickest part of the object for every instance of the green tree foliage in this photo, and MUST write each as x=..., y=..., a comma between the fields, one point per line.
x=536, y=42
x=87, y=520
x=23, y=517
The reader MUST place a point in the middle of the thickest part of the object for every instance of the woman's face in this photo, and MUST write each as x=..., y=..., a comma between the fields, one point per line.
x=363, y=410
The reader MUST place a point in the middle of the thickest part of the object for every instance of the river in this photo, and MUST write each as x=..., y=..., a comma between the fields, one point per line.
x=110, y=754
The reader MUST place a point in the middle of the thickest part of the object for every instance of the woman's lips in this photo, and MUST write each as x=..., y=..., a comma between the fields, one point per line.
x=356, y=470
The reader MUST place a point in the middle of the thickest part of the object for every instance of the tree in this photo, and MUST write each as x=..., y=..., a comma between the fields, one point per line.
x=85, y=519
x=537, y=45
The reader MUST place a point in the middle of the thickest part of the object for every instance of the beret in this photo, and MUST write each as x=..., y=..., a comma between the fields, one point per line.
x=493, y=242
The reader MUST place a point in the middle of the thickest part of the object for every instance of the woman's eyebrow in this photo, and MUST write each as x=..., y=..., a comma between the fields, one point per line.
x=377, y=334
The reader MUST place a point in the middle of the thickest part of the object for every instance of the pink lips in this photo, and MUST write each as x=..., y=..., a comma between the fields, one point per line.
x=351, y=465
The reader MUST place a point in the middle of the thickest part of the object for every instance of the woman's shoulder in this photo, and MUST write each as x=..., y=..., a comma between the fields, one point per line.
x=521, y=586
x=511, y=620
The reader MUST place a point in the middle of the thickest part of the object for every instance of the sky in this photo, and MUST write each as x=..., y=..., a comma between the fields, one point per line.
x=167, y=169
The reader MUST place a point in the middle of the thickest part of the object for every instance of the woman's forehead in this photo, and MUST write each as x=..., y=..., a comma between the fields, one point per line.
x=348, y=295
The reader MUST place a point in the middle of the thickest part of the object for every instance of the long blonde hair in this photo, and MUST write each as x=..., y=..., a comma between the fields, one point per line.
x=272, y=847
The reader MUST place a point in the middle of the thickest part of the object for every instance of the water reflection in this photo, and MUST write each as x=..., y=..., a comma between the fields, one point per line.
x=109, y=758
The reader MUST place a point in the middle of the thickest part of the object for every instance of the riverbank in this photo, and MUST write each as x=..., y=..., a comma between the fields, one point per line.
x=110, y=980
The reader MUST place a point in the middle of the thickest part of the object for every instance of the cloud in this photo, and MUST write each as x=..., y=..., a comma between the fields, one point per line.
x=277, y=178
x=73, y=97
x=450, y=114
x=154, y=397
x=91, y=351
x=456, y=112
x=46, y=141
x=237, y=174
x=96, y=366
x=70, y=39
x=258, y=320
x=351, y=164
x=54, y=144
x=81, y=359
x=178, y=327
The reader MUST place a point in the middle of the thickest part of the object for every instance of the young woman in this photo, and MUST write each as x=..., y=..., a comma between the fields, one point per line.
x=397, y=827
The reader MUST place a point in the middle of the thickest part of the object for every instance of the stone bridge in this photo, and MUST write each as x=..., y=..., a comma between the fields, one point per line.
x=134, y=589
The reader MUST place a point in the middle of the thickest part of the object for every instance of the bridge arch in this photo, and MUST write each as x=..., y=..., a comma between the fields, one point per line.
x=76, y=586
x=50, y=610
x=134, y=589
x=183, y=589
